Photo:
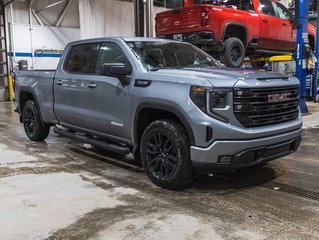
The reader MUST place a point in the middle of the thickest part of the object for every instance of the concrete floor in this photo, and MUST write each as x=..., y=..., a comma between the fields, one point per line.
x=62, y=189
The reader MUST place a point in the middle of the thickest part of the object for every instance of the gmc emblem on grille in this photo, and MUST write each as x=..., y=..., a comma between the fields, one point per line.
x=273, y=98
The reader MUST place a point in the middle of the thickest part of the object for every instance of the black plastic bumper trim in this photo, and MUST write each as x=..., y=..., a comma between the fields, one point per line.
x=250, y=157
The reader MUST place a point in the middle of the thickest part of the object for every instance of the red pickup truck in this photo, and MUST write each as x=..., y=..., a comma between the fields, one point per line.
x=233, y=28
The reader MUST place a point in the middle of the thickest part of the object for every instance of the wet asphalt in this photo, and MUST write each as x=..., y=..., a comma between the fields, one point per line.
x=63, y=189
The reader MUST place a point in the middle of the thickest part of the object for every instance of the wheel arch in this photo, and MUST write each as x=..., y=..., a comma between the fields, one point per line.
x=149, y=112
x=25, y=95
x=234, y=29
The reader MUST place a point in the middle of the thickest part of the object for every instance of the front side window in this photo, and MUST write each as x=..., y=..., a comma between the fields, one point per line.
x=267, y=8
x=111, y=53
x=156, y=55
x=282, y=12
x=81, y=58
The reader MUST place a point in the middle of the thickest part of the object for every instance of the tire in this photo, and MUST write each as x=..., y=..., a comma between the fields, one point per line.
x=34, y=127
x=165, y=154
x=234, y=53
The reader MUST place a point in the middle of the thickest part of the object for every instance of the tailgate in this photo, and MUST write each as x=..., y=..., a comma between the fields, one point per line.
x=178, y=20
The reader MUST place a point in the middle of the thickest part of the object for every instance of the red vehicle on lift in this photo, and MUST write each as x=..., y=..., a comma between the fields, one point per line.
x=233, y=29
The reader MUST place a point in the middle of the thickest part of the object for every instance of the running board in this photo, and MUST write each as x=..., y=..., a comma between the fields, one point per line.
x=112, y=147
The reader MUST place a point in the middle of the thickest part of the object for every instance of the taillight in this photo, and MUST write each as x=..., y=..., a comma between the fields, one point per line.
x=205, y=16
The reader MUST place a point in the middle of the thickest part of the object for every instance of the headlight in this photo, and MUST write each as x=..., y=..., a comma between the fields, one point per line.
x=219, y=99
x=198, y=96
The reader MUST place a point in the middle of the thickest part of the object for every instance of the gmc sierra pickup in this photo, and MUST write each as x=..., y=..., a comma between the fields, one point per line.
x=169, y=103
x=233, y=29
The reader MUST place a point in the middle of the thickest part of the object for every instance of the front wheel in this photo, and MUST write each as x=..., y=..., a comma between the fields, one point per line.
x=234, y=53
x=165, y=154
x=35, y=129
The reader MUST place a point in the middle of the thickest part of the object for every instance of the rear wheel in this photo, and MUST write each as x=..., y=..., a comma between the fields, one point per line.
x=34, y=128
x=165, y=154
x=234, y=53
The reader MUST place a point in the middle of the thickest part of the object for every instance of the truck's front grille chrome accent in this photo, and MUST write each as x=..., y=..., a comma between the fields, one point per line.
x=255, y=107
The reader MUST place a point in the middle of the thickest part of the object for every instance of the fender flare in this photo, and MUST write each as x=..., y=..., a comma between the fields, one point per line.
x=235, y=24
x=164, y=107
x=24, y=89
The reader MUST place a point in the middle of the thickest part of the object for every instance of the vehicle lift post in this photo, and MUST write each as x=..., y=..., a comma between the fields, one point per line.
x=301, y=62
x=315, y=81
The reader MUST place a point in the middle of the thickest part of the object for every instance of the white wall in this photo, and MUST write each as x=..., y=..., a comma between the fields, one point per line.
x=44, y=38
x=101, y=18
x=98, y=18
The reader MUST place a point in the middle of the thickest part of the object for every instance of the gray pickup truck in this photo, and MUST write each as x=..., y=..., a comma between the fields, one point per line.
x=169, y=103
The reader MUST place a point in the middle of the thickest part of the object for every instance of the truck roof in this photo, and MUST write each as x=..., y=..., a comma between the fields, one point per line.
x=126, y=39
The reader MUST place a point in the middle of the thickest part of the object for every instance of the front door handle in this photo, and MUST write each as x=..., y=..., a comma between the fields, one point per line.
x=91, y=85
x=284, y=24
x=59, y=82
x=265, y=20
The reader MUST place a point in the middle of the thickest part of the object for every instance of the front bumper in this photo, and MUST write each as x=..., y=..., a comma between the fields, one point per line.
x=224, y=156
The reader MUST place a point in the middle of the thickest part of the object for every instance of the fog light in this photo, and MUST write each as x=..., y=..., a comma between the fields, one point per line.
x=224, y=159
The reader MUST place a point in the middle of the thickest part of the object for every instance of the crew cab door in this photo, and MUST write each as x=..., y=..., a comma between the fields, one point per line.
x=287, y=33
x=270, y=27
x=89, y=100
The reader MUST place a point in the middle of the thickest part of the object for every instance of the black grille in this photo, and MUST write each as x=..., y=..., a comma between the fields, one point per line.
x=255, y=107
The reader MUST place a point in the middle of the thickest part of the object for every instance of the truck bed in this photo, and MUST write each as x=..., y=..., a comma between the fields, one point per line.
x=41, y=83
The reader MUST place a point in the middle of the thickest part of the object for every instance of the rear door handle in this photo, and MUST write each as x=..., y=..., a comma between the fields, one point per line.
x=91, y=85
x=284, y=24
x=265, y=20
x=59, y=82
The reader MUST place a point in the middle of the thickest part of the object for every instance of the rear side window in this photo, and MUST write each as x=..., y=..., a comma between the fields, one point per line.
x=247, y=5
x=244, y=5
x=267, y=8
x=82, y=58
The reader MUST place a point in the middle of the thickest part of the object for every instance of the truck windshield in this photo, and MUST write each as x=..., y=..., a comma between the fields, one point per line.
x=155, y=55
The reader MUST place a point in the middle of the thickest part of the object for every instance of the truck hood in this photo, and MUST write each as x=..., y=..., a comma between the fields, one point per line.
x=222, y=77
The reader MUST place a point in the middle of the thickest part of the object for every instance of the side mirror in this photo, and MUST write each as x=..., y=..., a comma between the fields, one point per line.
x=117, y=70
x=296, y=24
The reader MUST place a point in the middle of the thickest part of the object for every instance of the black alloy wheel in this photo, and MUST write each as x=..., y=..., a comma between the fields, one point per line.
x=234, y=53
x=165, y=154
x=29, y=122
x=34, y=127
x=162, y=155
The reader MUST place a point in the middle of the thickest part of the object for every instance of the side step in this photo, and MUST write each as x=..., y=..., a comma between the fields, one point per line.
x=112, y=147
